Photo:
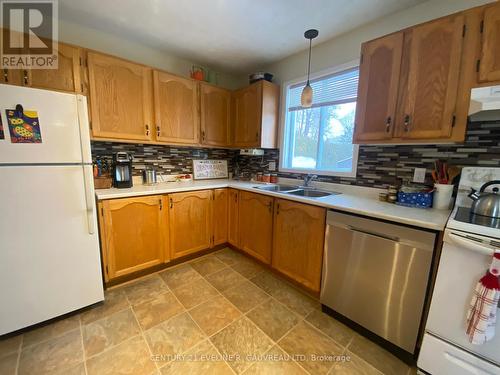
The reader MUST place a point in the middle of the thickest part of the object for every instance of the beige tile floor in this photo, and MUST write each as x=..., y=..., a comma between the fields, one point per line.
x=219, y=314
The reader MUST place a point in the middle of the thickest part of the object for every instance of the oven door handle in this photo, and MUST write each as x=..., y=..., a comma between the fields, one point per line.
x=471, y=244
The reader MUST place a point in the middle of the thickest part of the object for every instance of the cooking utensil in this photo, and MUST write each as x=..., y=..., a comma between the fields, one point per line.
x=486, y=203
x=452, y=173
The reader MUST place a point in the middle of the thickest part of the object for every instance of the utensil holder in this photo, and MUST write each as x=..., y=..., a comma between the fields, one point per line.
x=442, y=196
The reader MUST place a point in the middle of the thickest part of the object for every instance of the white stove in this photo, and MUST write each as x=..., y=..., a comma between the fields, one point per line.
x=468, y=246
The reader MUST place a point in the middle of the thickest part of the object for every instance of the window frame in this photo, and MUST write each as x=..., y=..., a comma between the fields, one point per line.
x=283, y=125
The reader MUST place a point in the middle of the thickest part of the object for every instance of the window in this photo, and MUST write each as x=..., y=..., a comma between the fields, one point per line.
x=319, y=139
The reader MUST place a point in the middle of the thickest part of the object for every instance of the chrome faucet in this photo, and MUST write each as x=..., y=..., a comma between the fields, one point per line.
x=308, y=178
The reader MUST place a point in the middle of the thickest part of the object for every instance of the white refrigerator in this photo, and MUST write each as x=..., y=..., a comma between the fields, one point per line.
x=49, y=245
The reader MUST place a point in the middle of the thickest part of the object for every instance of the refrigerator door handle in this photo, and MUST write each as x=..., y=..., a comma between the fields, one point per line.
x=89, y=197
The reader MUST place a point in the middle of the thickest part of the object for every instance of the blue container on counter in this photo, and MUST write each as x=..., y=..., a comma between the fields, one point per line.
x=419, y=200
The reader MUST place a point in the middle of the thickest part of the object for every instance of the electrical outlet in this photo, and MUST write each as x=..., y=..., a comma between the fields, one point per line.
x=272, y=165
x=419, y=175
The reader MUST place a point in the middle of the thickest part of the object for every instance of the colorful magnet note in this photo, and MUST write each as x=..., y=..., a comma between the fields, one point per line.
x=2, y=135
x=23, y=126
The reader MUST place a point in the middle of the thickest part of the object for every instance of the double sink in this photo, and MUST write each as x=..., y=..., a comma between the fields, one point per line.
x=296, y=190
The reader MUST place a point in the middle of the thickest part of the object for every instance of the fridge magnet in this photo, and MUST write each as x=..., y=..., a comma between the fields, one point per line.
x=23, y=126
x=2, y=135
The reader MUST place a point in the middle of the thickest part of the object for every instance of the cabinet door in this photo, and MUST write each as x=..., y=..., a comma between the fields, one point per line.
x=67, y=75
x=378, y=88
x=490, y=49
x=299, y=232
x=220, y=215
x=433, y=74
x=232, y=236
x=247, y=116
x=13, y=76
x=132, y=245
x=176, y=111
x=215, y=105
x=256, y=225
x=190, y=222
x=121, y=98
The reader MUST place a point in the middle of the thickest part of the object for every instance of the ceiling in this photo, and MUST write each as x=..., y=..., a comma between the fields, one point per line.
x=232, y=35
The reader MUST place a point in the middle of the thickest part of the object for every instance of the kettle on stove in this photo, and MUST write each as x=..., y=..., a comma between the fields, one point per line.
x=486, y=203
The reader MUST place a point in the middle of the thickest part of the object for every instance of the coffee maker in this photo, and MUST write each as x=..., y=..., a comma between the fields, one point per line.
x=122, y=170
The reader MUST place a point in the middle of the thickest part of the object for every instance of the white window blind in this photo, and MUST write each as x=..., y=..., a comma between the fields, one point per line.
x=336, y=88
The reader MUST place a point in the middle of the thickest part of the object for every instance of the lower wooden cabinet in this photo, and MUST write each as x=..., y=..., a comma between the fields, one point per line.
x=190, y=222
x=134, y=234
x=220, y=216
x=256, y=225
x=299, y=232
x=232, y=218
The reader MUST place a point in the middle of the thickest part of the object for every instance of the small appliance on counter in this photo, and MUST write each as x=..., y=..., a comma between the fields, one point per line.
x=122, y=170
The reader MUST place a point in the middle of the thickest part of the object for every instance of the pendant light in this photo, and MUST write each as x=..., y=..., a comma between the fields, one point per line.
x=307, y=93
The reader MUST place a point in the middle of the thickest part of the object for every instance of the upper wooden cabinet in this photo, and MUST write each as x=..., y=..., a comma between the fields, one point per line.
x=215, y=113
x=232, y=218
x=378, y=88
x=433, y=74
x=176, y=109
x=489, y=67
x=409, y=84
x=129, y=246
x=121, y=98
x=256, y=225
x=67, y=76
x=190, y=222
x=299, y=231
x=255, y=112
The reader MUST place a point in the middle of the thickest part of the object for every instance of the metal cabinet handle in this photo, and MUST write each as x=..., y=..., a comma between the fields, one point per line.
x=388, y=124
x=407, y=123
x=171, y=203
x=25, y=77
x=203, y=135
x=147, y=129
x=6, y=75
x=157, y=130
x=270, y=205
x=257, y=136
x=161, y=204
x=278, y=209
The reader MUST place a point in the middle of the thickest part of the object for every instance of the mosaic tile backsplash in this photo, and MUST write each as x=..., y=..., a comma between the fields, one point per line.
x=378, y=166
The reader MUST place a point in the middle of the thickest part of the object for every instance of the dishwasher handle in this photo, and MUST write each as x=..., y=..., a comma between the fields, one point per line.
x=365, y=231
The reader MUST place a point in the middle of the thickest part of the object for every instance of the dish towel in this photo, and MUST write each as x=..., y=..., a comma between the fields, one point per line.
x=482, y=314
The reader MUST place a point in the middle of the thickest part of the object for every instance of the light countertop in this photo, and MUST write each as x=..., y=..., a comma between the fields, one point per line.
x=354, y=199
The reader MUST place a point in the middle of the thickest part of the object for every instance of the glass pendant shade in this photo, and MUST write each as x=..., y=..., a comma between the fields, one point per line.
x=306, y=98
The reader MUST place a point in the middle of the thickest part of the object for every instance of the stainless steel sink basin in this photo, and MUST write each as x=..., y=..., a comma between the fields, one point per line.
x=311, y=193
x=277, y=188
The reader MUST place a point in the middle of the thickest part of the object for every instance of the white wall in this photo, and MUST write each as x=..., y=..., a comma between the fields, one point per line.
x=346, y=47
x=94, y=39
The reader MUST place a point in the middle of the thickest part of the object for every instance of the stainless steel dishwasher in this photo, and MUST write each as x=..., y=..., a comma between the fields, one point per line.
x=376, y=274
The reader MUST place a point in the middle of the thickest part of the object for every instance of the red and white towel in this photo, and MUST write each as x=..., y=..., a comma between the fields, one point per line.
x=482, y=314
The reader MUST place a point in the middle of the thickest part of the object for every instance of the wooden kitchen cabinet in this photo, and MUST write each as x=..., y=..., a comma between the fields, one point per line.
x=220, y=216
x=256, y=225
x=176, y=109
x=489, y=66
x=232, y=218
x=215, y=114
x=378, y=88
x=132, y=245
x=409, y=85
x=190, y=222
x=299, y=232
x=428, y=108
x=255, y=112
x=121, y=98
x=67, y=76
